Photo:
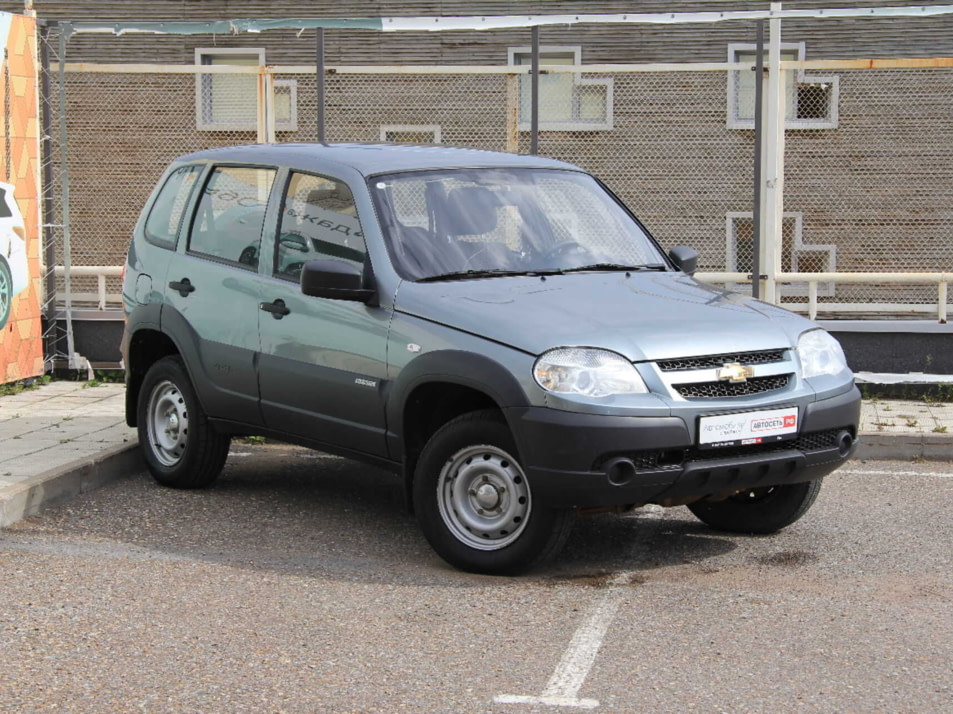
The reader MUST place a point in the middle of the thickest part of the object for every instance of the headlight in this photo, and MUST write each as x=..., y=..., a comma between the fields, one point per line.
x=589, y=372
x=820, y=354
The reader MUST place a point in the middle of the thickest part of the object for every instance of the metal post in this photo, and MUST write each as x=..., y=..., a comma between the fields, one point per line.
x=319, y=79
x=46, y=218
x=270, y=118
x=7, y=156
x=261, y=108
x=534, y=95
x=758, y=134
x=774, y=163
x=64, y=208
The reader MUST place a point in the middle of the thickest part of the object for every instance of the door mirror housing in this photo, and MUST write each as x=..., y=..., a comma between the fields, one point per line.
x=685, y=258
x=335, y=280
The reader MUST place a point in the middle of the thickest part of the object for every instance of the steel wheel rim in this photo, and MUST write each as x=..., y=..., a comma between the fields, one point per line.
x=484, y=497
x=167, y=423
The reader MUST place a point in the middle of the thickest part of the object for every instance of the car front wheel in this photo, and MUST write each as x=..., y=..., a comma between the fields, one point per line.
x=181, y=448
x=475, y=503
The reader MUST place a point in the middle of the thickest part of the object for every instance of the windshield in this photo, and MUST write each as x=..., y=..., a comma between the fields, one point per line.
x=475, y=222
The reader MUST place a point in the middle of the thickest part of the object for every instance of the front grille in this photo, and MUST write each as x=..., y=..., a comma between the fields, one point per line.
x=715, y=390
x=651, y=460
x=715, y=361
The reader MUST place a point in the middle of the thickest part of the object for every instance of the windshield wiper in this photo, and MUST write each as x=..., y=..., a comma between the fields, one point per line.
x=493, y=273
x=615, y=266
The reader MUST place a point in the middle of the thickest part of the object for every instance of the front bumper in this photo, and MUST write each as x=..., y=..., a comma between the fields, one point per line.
x=589, y=460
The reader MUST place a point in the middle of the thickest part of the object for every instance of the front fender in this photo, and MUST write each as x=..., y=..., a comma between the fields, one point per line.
x=467, y=369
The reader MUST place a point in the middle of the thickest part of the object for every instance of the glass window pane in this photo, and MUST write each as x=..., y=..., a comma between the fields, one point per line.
x=319, y=222
x=453, y=221
x=162, y=226
x=231, y=214
x=744, y=85
x=230, y=98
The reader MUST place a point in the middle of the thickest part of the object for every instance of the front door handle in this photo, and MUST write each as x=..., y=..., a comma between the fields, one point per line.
x=184, y=286
x=276, y=308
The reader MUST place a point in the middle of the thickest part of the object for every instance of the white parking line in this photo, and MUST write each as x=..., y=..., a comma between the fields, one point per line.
x=866, y=472
x=572, y=670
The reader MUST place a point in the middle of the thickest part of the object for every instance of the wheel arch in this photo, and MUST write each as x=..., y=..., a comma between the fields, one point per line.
x=146, y=347
x=438, y=387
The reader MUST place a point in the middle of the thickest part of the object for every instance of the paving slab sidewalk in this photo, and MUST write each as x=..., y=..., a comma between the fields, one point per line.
x=65, y=438
x=59, y=440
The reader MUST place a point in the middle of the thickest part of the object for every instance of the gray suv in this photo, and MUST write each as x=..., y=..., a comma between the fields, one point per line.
x=498, y=330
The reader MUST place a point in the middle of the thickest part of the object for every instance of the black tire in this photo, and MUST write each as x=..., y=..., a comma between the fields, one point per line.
x=6, y=293
x=759, y=510
x=474, y=503
x=181, y=448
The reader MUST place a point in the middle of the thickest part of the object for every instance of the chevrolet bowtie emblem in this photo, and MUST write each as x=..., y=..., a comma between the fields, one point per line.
x=735, y=372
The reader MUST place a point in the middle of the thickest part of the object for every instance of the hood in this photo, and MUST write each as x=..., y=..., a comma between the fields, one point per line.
x=648, y=316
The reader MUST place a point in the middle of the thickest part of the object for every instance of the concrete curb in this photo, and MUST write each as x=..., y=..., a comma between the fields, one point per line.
x=65, y=482
x=87, y=474
x=905, y=447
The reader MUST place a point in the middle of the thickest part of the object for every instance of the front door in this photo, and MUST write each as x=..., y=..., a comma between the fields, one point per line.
x=323, y=362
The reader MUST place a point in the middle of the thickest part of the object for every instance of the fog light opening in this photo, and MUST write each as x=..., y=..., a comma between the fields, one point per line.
x=620, y=471
x=845, y=442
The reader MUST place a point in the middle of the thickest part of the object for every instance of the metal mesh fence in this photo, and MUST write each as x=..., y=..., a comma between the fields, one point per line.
x=666, y=152
x=114, y=157
x=875, y=194
x=868, y=170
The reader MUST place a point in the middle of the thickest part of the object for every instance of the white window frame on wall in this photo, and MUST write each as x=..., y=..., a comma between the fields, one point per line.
x=433, y=129
x=731, y=253
x=291, y=123
x=606, y=124
x=202, y=100
x=799, y=77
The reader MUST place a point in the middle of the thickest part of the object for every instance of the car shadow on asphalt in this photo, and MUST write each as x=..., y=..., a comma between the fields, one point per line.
x=295, y=511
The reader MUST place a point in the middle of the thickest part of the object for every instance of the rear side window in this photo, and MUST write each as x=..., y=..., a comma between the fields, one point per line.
x=231, y=213
x=162, y=225
x=319, y=222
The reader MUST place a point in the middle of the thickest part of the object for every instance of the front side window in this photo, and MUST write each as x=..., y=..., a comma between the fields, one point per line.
x=165, y=216
x=318, y=222
x=456, y=223
x=230, y=215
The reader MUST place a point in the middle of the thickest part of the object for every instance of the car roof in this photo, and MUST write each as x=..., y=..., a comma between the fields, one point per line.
x=371, y=159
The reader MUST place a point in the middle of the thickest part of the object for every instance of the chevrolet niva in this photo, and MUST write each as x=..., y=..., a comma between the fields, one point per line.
x=14, y=273
x=498, y=330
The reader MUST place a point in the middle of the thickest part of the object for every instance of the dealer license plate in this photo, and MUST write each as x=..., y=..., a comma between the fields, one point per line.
x=762, y=427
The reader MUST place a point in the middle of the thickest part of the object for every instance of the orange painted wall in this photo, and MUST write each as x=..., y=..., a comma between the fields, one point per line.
x=21, y=340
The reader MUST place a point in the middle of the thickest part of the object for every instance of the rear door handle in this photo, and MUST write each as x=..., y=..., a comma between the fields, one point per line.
x=276, y=308
x=184, y=286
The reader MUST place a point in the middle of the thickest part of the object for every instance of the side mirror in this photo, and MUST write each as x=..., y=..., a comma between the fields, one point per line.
x=334, y=279
x=685, y=258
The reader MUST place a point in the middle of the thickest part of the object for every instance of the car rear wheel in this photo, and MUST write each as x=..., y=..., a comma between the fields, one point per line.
x=474, y=501
x=181, y=448
x=6, y=293
x=759, y=510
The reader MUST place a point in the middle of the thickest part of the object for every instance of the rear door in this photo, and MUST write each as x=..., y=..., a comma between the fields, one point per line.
x=213, y=290
x=323, y=362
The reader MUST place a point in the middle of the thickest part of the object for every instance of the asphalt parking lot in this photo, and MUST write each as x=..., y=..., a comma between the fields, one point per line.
x=299, y=584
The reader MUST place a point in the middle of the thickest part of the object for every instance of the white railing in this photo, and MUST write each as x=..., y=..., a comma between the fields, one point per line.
x=941, y=280
x=102, y=299
x=106, y=300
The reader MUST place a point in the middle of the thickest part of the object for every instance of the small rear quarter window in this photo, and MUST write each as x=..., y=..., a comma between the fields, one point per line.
x=165, y=217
